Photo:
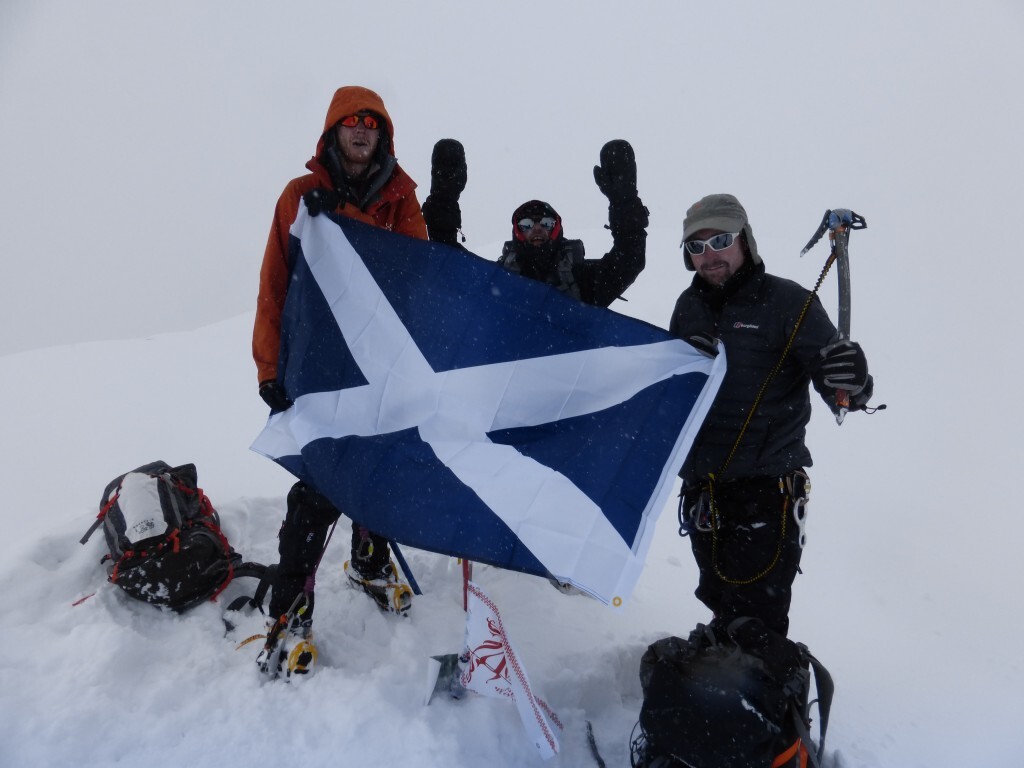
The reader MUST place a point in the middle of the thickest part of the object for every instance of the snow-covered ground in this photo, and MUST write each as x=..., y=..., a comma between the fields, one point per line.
x=142, y=150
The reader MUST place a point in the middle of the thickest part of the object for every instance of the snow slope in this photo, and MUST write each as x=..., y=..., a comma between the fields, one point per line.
x=920, y=653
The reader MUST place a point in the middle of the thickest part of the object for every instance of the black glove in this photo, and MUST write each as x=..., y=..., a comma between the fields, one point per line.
x=704, y=342
x=843, y=366
x=273, y=394
x=448, y=172
x=616, y=175
x=859, y=401
x=319, y=200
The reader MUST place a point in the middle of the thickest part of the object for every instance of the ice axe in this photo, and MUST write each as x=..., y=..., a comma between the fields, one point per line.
x=838, y=223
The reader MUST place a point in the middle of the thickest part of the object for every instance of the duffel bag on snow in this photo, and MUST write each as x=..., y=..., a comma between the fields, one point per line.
x=165, y=544
x=735, y=696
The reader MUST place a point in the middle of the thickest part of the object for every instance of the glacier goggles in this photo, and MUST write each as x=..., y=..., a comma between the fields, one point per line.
x=718, y=242
x=371, y=122
x=526, y=224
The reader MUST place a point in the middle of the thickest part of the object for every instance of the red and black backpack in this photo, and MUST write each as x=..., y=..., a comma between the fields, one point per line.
x=165, y=544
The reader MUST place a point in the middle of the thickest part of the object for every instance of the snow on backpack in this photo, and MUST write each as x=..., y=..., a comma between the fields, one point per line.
x=733, y=696
x=164, y=538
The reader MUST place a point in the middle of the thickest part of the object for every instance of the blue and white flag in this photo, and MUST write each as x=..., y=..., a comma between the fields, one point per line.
x=450, y=405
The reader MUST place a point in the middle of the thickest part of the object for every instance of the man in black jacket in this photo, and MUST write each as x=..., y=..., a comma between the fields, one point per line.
x=744, y=484
x=538, y=248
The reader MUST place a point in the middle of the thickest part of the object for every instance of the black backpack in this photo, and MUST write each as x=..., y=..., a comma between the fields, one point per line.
x=735, y=696
x=164, y=538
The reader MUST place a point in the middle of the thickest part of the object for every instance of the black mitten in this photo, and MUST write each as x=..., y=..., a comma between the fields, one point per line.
x=616, y=175
x=844, y=366
x=448, y=171
x=320, y=199
x=273, y=394
x=627, y=216
x=443, y=217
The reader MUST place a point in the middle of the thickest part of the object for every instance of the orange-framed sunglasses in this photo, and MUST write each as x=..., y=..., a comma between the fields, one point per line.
x=352, y=121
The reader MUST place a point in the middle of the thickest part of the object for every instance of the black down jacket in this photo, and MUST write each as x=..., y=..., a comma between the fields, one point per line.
x=754, y=314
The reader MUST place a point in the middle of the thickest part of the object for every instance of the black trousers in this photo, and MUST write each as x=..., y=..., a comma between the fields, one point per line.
x=301, y=541
x=746, y=542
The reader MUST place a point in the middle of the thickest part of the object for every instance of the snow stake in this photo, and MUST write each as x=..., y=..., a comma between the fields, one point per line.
x=443, y=672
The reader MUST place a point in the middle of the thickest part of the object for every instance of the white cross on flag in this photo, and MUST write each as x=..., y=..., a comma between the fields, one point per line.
x=450, y=405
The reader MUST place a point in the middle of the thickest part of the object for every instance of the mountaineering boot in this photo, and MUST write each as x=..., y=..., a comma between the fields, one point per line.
x=289, y=651
x=385, y=587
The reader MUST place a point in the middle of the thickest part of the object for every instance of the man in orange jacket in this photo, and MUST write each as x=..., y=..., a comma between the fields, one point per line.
x=353, y=173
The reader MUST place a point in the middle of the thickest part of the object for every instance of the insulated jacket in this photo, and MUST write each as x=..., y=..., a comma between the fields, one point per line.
x=754, y=316
x=592, y=281
x=389, y=202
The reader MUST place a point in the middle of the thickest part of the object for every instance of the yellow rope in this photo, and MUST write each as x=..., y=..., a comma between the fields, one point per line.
x=767, y=569
x=713, y=504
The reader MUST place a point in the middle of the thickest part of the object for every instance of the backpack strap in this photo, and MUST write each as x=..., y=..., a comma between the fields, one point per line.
x=826, y=688
x=571, y=255
x=101, y=516
x=265, y=574
x=172, y=497
x=508, y=257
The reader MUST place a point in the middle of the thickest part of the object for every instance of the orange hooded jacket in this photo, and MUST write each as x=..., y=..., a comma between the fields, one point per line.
x=394, y=207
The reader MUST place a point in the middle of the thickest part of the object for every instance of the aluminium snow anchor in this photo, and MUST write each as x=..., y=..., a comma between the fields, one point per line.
x=838, y=222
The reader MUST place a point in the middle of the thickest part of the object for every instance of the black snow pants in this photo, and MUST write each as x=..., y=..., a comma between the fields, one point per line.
x=301, y=541
x=748, y=553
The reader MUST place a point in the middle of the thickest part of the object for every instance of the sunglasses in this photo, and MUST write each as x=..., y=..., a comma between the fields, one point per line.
x=525, y=225
x=352, y=121
x=717, y=242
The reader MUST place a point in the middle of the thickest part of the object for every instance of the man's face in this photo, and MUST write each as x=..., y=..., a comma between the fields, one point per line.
x=358, y=144
x=538, y=234
x=716, y=266
x=536, y=228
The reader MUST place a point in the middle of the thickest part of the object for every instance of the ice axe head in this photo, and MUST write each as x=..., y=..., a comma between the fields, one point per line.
x=835, y=220
x=844, y=217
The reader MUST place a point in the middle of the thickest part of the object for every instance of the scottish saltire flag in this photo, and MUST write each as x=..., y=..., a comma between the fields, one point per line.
x=450, y=405
x=490, y=666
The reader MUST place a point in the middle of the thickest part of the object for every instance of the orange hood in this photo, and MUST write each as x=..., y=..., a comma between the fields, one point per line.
x=349, y=100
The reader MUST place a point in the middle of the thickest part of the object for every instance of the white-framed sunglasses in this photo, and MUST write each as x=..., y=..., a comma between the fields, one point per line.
x=718, y=242
x=526, y=224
